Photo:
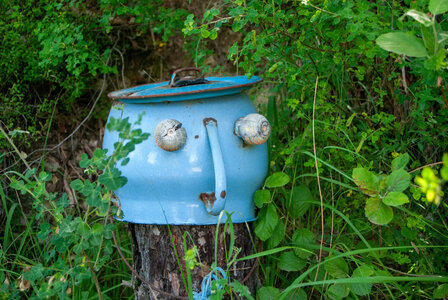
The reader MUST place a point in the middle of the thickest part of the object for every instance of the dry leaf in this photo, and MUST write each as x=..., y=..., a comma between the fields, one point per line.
x=24, y=284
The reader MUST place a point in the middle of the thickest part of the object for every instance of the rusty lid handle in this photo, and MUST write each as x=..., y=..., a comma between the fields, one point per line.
x=183, y=81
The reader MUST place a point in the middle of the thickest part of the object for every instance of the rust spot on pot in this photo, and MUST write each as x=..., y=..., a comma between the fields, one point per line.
x=223, y=194
x=196, y=136
x=208, y=120
x=208, y=198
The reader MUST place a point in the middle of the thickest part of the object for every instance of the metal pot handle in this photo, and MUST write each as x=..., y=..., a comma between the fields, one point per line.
x=215, y=202
x=183, y=81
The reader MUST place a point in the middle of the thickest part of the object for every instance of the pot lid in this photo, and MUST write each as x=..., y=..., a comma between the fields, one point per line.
x=185, y=88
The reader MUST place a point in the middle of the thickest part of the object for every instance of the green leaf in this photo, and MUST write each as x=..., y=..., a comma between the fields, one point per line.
x=402, y=43
x=437, y=61
x=261, y=197
x=97, y=228
x=419, y=16
x=241, y=290
x=238, y=25
x=290, y=262
x=277, y=235
x=85, y=161
x=63, y=201
x=362, y=289
x=267, y=293
x=350, y=119
x=83, y=229
x=267, y=220
x=398, y=181
x=277, y=179
x=125, y=161
x=30, y=173
x=94, y=198
x=102, y=209
x=338, y=291
x=437, y=7
x=44, y=231
x=298, y=204
x=367, y=181
x=77, y=184
x=213, y=34
x=302, y=238
x=377, y=212
x=400, y=162
x=297, y=294
x=395, y=199
x=428, y=38
x=112, y=180
x=441, y=291
x=205, y=33
x=233, y=50
x=18, y=185
x=35, y=273
x=337, y=268
x=44, y=176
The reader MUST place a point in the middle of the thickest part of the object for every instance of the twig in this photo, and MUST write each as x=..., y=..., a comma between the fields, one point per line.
x=405, y=84
x=317, y=49
x=430, y=165
x=250, y=272
x=323, y=10
x=122, y=67
x=68, y=190
x=444, y=96
x=318, y=181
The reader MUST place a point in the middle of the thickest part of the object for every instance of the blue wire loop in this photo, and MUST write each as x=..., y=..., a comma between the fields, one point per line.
x=206, y=285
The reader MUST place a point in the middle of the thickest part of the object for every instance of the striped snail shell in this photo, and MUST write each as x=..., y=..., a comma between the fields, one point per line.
x=254, y=129
x=169, y=135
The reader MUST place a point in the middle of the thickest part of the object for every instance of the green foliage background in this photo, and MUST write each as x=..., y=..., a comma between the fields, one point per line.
x=352, y=125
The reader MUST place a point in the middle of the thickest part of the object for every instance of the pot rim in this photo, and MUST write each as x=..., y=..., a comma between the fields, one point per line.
x=236, y=85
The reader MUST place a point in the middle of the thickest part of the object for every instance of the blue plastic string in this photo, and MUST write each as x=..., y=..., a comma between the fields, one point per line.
x=206, y=285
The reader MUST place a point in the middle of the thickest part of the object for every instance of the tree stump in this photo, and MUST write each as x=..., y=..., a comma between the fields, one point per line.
x=155, y=260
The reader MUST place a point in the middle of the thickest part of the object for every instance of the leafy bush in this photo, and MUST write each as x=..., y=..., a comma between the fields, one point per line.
x=54, y=52
x=70, y=248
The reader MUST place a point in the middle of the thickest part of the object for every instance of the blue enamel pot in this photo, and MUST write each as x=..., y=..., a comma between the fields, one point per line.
x=206, y=153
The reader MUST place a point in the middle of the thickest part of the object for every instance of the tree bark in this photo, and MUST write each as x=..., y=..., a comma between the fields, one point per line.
x=155, y=260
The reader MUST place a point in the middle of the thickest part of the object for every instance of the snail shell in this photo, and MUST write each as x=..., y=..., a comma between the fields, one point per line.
x=169, y=135
x=254, y=129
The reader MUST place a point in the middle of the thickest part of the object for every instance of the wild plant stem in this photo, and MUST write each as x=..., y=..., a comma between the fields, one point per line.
x=18, y=152
x=332, y=223
x=443, y=95
x=430, y=165
x=318, y=180
x=95, y=278
x=48, y=133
